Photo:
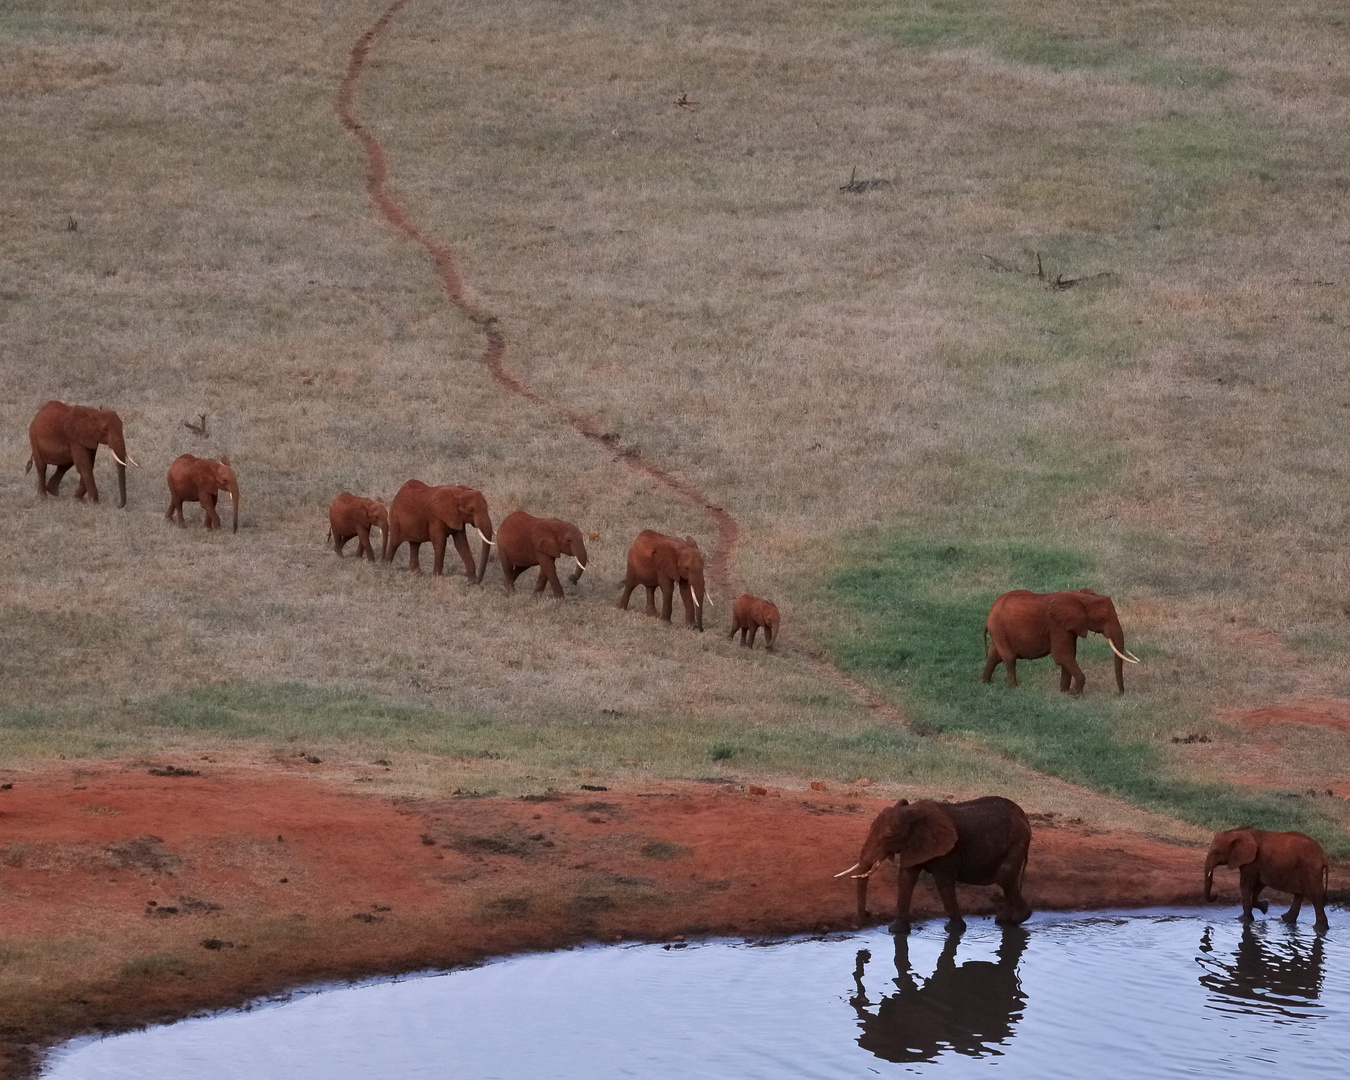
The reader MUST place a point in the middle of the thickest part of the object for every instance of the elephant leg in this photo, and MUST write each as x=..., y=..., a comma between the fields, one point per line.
x=1010, y=666
x=687, y=599
x=667, y=587
x=651, y=599
x=1016, y=910
x=754, y=629
x=53, y=486
x=363, y=548
x=629, y=584
x=1319, y=906
x=465, y=554
x=732, y=636
x=1291, y=916
x=438, y=537
x=768, y=638
x=339, y=542
x=210, y=519
x=40, y=467
x=510, y=573
x=946, y=887
x=84, y=465
x=548, y=574
x=1247, y=888
x=175, y=507
x=990, y=662
x=903, y=898
x=1257, y=902
x=745, y=636
x=1065, y=654
x=414, y=546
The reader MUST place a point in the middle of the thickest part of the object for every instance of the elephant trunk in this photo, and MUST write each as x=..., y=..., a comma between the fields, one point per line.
x=118, y=447
x=483, y=524
x=234, y=498
x=1115, y=636
x=578, y=553
x=700, y=595
x=862, y=900
x=121, y=485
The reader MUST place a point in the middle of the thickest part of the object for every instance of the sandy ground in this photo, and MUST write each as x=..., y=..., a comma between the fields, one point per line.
x=128, y=897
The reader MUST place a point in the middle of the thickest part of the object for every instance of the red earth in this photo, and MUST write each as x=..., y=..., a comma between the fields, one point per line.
x=129, y=897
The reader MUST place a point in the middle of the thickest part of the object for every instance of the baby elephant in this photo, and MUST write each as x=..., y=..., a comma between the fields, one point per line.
x=749, y=613
x=194, y=479
x=350, y=515
x=1285, y=861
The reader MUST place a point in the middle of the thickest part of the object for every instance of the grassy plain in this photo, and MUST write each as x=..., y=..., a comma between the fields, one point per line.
x=852, y=376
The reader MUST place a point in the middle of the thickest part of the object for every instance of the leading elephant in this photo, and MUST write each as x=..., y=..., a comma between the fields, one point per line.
x=657, y=561
x=194, y=479
x=64, y=435
x=524, y=540
x=422, y=513
x=980, y=842
x=1026, y=626
x=1289, y=862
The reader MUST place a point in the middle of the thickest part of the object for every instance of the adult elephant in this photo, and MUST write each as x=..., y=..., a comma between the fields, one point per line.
x=1289, y=862
x=353, y=516
x=657, y=561
x=980, y=842
x=524, y=540
x=194, y=479
x=64, y=435
x=1026, y=626
x=422, y=513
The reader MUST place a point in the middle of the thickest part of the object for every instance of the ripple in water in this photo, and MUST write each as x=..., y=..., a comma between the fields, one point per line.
x=1154, y=995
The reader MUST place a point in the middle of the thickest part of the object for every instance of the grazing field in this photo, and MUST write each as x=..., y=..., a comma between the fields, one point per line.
x=862, y=378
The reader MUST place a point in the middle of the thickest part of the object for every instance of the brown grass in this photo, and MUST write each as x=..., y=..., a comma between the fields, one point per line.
x=695, y=281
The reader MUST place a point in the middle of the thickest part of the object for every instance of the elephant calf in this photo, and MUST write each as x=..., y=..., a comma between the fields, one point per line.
x=194, y=479
x=980, y=842
x=352, y=516
x=524, y=541
x=748, y=614
x=1289, y=862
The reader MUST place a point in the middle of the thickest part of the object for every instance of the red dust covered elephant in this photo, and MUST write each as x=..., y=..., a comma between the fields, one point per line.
x=657, y=561
x=64, y=435
x=524, y=540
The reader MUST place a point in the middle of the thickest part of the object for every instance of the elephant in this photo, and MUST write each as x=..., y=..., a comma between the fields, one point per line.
x=194, y=479
x=980, y=842
x=1289, y=862
x=967, y=1008
x=667, y=562
x=64, y=435
x=421, y=512
x=1027, y=625
x=1264, y=976
x=749, y=613
x=524, y=541
x=350, y=515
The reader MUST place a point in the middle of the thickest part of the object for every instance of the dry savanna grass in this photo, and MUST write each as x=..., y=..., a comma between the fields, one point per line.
x=186, y=232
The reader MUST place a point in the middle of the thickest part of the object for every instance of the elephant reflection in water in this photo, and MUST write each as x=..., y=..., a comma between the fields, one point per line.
x=1277, y=980
x=968, y=1008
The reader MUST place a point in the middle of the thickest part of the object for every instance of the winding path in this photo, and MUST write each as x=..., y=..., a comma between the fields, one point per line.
x=494, y=358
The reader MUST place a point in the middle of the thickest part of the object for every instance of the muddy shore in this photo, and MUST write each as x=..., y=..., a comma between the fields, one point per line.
x=129, y=898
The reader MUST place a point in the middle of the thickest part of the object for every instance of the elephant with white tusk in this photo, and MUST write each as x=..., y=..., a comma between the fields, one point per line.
x=524, y=541
x=422, y=513
x=64, y=435
x=1026, y=626
x=657, y=561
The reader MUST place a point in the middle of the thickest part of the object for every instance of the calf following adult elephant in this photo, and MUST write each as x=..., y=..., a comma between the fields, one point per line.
x=1289, y=862
x=64, y=435
x=1027, y=625
x=194, y=479
x=524, y=541
x=657, y=561
x=748, y=614
x=422, y=513
x=980, y=842
x=353, y=516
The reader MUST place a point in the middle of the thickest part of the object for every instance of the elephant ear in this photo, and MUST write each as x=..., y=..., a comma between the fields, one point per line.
x=84, y=426
x=1068, y=611
x=1242, y=850
x=931, y=834
x=547, y=543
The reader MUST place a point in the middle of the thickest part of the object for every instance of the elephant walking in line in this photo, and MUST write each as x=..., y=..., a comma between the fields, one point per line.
x=524, y=541
x=1027, y=625
x=422, y=513
x=352, y=516
x=194, y=479
x=748, y=614
x=1289, y=862
x=64, y=435
x=980, y=842
x=657, y=561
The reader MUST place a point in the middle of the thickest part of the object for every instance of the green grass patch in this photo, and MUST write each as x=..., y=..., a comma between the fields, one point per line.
x=922, y=603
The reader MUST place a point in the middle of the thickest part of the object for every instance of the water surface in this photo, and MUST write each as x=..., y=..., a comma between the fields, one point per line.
x=1158, y=994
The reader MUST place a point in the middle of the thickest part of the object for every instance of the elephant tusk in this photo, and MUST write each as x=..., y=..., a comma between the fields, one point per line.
x=580, y=566
x=849, y=870
x=490, y=543
x=694, y=596
x=132, y=462
x=1131, y=659
x=116, y=458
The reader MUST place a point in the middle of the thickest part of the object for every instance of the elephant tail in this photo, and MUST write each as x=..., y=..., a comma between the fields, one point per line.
x=986, y=638
x=330, y=535
x=29, y=467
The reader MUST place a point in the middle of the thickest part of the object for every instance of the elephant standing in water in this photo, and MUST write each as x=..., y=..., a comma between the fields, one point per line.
x=980, y=842
x=967, y=1008
x=194, y=479
x=524, y=541
x=668, y=563
x=1289, y=862
x=63, y=435
x=421, y=513
x=1027, y=625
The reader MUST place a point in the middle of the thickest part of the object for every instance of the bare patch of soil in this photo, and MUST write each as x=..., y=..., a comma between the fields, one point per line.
x=1330, y=713
x=281, y=879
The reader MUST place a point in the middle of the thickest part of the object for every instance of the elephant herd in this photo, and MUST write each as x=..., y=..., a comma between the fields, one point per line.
x=985, y=842
x=65, y=436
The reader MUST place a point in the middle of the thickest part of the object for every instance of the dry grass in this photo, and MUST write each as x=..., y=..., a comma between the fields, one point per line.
x=693, y=278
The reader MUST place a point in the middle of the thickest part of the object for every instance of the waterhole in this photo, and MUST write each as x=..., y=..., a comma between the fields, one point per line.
x=1156, y=994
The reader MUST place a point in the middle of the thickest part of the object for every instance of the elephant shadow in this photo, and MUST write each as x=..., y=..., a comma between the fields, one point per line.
x=970, y=1008
x=1281, y=979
